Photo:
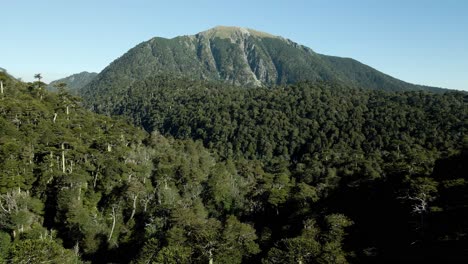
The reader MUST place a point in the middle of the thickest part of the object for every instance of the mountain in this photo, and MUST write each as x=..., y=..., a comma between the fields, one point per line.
x=75, y=81
x=238, y=56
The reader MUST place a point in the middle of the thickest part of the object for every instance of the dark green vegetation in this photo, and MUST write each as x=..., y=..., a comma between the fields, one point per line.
x=312, y=172
x=307, y=173
x=241, y=57
x=388, y=168
x=76, y=185
x=74, y=82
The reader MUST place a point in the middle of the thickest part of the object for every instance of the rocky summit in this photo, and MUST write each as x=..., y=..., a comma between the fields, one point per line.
x=238, y=56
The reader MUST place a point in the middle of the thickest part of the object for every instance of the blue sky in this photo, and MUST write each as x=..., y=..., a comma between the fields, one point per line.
x=423, y=42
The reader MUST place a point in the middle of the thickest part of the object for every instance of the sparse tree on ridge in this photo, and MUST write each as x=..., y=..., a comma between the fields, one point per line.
x=38, y=76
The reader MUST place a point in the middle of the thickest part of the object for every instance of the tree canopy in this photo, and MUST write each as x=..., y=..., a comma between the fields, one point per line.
x=304, y=173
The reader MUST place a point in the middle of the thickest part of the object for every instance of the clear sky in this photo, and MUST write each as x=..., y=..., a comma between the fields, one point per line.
x=419, y=41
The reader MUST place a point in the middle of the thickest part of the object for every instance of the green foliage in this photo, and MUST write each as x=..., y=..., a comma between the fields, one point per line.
x=306, y=173
x=173, y=255
x=306, y=121
x=301, y=151
x=238, y=241
x=313, y=244
x=41, y=251
x=5, y=242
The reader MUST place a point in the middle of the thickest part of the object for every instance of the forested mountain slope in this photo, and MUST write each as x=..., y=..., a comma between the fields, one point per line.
x=290, y=120
x=237, y=56
x=340, y=148
x=74, y=82
x=306, y=173
x=80, y=186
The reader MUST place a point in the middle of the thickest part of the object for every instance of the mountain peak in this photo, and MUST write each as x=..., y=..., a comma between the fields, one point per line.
x=238, y=56
x=231, y=31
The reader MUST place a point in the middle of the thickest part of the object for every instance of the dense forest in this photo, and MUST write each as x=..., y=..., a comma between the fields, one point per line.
x=314, y=172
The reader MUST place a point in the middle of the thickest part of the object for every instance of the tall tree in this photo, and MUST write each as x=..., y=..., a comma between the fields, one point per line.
x=38, y=76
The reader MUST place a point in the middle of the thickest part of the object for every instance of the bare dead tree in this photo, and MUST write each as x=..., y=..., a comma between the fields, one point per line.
x=114, y=217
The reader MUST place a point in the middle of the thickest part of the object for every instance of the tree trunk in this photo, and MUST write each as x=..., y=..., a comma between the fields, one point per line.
x=211, y=257
x=1, y=87
x=71, y=166
x=63, y=158
x=95, y=179
x=134, y=206
x=7, y=211
x=55, y=117
x=147, y=199
x=76, y=249
x=51, y=160
x=79, y=192
x=113, y=224
x=159, y=198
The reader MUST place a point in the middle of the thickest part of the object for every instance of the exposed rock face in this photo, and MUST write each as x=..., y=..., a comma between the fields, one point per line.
x=236, y=56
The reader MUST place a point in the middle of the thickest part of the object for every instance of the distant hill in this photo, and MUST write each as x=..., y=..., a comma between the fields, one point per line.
x=238, y=56
x=75, y=81
x=3, y=70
